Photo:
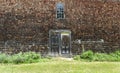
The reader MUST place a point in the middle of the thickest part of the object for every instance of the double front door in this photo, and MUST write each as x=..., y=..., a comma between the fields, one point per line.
x=60, y=43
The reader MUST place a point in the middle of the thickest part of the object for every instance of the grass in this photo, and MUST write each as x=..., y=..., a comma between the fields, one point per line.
x=62, y=66
x=97, y=56
x=26, y=57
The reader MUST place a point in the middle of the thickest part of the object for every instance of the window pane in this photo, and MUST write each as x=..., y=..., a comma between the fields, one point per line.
x=60, y=11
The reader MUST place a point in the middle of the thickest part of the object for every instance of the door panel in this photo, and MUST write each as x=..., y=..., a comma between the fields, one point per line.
x=55, y=44
x=65, y=49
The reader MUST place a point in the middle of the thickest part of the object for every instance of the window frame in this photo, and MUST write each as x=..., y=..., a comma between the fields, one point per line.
x=60, y=11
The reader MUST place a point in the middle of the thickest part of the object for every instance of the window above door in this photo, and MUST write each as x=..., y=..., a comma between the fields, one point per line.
x=60, y=14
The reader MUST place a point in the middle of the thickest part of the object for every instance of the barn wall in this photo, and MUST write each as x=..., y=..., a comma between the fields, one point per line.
x=29, y=21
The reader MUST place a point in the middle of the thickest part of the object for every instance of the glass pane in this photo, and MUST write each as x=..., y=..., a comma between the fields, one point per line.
x=60, y=10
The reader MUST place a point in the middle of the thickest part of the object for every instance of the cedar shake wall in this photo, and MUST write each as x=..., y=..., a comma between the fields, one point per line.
x=30, y=20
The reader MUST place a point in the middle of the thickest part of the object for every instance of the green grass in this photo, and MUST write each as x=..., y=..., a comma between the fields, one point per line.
x=95, y=56
x=62, y=66
x=26, y=57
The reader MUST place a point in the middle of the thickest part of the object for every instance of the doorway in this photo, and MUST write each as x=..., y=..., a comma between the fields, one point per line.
x=60, y=42
x=65, y=44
